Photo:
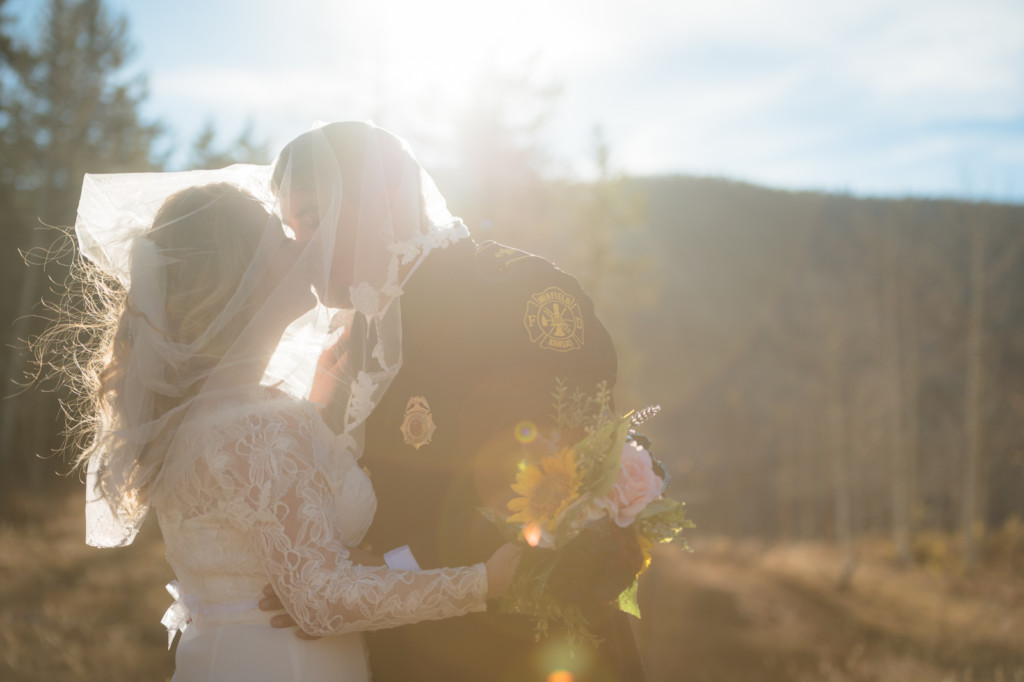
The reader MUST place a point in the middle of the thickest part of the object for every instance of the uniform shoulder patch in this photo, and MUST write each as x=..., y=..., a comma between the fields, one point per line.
x=554, y=321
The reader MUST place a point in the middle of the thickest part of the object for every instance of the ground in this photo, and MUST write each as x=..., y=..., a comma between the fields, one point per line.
x=727, y=612
x=732, y=611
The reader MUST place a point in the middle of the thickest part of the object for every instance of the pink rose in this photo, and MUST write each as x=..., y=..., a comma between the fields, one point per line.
x=636, y=486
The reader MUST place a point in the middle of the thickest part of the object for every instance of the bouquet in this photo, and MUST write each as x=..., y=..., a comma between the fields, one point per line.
x=592, y=502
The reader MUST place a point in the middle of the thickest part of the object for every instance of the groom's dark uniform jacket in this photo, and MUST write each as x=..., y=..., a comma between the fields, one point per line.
x=486, y=330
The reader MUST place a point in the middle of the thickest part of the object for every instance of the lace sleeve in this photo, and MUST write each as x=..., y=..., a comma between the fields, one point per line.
x=287, y=502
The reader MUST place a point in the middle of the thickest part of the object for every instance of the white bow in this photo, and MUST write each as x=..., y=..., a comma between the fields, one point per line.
x=179, y=614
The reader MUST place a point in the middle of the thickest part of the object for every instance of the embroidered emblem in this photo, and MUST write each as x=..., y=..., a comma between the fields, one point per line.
x=509, y=256
x=554, y=321
x=502, y=255
x=418, y=425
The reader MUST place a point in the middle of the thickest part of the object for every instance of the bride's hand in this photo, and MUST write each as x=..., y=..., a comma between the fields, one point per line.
x=501, y=567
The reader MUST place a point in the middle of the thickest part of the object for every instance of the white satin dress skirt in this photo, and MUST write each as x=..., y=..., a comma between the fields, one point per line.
x=260, y=653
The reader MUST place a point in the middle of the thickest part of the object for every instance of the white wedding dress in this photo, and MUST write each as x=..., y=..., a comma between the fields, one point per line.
x=259, y=490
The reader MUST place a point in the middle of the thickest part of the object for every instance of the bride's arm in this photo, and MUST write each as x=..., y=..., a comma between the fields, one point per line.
x=289, y=505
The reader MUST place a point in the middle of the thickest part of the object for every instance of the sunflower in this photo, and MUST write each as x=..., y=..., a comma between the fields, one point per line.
x=547, y=489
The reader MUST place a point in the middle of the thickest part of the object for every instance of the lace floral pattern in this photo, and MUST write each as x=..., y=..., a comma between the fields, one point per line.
x=361, y=402
x=367, y=299
x=261, y=492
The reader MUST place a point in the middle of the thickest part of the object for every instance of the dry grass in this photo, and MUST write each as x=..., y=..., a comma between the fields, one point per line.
x=72, y=612
x=748, y=611
x=729, y=612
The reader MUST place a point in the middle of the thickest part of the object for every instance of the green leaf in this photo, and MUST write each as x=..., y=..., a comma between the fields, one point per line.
x=663, y=520
x=608, y=470
x=509, y=531
x=662, y=505
x=527, y=595
x=569, y=525
x=627, y=600
x=560, y=406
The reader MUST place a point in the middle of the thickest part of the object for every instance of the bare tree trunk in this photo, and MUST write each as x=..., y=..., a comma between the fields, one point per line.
x=974, y=394
x=894, y=346
x=808, y=513
x=788, y=458
x=838, y=449
x=910, y=393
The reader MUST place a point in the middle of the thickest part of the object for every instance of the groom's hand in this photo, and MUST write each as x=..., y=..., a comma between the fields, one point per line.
x=271, y=602
x=330, y=368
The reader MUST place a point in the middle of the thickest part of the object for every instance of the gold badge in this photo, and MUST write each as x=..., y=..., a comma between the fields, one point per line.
x=418, y=425
x=554, y=321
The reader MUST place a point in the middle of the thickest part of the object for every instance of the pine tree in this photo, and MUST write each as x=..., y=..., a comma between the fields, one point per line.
x=70, y=107
x=244, y=149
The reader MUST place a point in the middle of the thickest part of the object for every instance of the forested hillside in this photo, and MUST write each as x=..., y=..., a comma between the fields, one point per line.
x=828, y=365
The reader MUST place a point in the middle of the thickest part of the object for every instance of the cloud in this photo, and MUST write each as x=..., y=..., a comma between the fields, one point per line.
x=785, y=92
x=801, y=94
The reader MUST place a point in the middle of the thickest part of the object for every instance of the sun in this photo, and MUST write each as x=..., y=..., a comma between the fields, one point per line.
x=436, y=52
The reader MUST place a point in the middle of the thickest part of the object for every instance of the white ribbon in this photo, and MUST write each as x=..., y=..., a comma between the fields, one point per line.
x=179, y=614
x=186, y=610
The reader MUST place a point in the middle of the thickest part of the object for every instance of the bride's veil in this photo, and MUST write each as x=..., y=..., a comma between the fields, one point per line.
x=362, y=213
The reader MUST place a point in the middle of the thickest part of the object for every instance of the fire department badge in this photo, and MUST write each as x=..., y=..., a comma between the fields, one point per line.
x=418, y=425
x=554, y=321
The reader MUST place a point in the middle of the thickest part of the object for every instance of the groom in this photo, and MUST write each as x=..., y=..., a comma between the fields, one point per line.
x=486, y=331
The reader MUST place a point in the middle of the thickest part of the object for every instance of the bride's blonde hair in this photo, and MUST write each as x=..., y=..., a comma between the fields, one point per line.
x=208, y=236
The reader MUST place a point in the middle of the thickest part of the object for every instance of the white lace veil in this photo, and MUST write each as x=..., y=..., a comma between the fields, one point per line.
x=363, y=214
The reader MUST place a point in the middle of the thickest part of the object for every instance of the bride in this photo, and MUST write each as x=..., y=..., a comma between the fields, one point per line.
x=200, y=410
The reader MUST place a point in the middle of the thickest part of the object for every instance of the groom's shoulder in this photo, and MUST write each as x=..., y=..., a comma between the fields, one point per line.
x=498, y=262
x=496, y=277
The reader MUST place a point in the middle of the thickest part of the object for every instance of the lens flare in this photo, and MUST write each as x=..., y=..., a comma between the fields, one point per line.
x=526, y=432
x=532, y=534
x=560, y=676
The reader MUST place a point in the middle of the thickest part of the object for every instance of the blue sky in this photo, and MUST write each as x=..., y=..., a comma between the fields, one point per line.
x=921, y=97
